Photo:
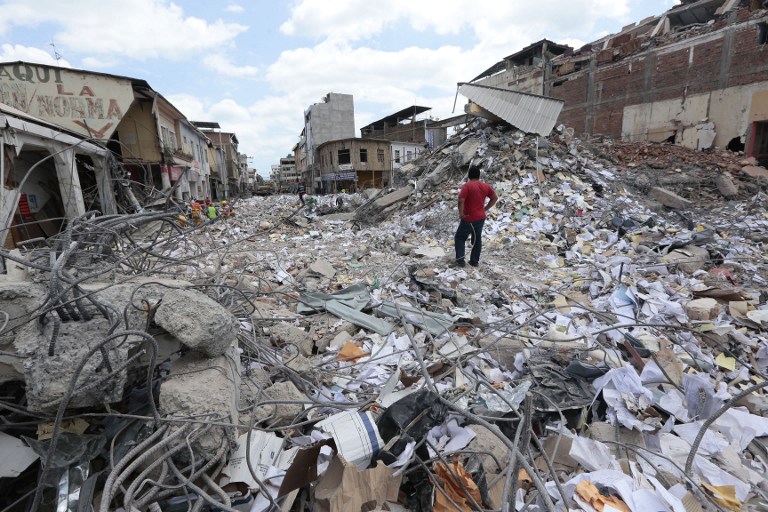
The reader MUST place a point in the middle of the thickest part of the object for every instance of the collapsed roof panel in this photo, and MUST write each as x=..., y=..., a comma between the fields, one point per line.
x=528, y=112
x=692, y=13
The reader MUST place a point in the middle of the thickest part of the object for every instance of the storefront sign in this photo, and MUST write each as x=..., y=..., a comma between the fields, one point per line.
x=87, y=103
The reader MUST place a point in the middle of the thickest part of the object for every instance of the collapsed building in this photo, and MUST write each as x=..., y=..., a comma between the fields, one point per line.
x=695, y=75
x=75, y=141
x=610, y=352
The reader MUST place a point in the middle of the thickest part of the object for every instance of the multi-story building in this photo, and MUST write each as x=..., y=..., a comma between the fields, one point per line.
x=410, y=131
x=288, y=172
x=229, y=163
x=696, y=75
x=354, y=164
x=331, y=119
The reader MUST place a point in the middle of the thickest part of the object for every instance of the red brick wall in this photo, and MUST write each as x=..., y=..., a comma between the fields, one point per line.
x=673, y=75
x=749, y=62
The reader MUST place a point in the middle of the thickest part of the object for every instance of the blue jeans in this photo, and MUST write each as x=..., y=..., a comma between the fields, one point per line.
x=474, y=231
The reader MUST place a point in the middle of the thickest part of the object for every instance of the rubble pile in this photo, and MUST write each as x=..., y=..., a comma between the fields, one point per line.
x=609, y=353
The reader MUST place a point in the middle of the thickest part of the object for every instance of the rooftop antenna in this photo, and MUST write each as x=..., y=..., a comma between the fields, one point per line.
x=56, y=54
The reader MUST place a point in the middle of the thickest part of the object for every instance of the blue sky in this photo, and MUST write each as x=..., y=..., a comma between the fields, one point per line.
x=255, y=66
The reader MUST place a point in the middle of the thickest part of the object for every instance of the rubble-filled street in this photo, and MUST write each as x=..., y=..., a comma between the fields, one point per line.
x=609, y=352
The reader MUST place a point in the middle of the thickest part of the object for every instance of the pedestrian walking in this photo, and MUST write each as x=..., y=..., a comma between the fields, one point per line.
x=302, y=190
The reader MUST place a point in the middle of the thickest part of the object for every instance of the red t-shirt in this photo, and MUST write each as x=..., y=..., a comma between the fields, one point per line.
x=474, y=194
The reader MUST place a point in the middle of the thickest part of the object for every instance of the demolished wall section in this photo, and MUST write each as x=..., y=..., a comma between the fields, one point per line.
x=675, y=66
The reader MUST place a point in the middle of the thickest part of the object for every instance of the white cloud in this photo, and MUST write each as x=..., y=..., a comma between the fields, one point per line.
x=222, y=64
x=352, y=20
x=234, y=8
x=10, y=52
x=139, y=29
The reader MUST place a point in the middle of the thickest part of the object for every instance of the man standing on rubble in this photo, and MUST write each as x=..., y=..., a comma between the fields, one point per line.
x=302, y=191
x=472, y=210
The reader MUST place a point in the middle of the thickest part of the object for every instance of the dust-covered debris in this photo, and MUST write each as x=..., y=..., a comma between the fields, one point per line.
x=610, y=349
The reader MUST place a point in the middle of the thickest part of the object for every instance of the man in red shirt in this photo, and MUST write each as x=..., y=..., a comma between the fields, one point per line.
x=472, y=210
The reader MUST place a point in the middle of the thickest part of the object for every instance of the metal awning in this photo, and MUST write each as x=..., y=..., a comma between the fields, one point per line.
x=528, y=112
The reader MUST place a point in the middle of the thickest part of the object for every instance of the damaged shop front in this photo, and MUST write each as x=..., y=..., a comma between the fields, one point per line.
x=49, y=176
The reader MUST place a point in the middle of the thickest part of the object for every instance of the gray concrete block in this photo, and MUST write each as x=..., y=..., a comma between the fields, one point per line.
x=49, y=377
x=398, y=195
x=198, y=321
x=669, y=198
x=207, y=388
x=726, y=186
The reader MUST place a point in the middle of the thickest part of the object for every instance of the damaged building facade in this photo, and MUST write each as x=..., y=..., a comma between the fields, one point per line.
x=695, y=75
x=126, y=146
x=410, y=130
x=354, y=164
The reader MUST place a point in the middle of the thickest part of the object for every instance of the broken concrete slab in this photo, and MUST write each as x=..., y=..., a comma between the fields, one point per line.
x=205, y=388
x=288, y=405
x=198, y=321
x=404, y=249
x=398, y=195
x=755, y=172
x=669, y=198
x=323, y=268
x=468, y=149
x=284, y=333
x=493, y=453
x=429, y=252
x=725, y=185
x=702, y=309
x=344, y=217
x=688, y=259
x=49, y=378
x=19, y=301
x=504, y=350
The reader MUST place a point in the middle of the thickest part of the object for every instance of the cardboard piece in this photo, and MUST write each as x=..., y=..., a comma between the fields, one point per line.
x=351, y=352
x=589, y=493
x=75, y=426
x=343, y=488
x=303, y=469
x=462, y=492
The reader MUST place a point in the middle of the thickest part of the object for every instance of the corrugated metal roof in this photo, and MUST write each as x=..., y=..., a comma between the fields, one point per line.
x=528, y=112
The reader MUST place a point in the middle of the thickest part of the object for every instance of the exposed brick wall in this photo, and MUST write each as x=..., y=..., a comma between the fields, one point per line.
x=731, y=58
x=750, y=59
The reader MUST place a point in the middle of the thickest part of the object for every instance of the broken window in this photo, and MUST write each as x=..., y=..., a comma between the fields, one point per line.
x=344, y=157
x=380, y=156
x=408, y=156
x=397, y=156
x=363, y=155
x=168, y=138
x=762, y=33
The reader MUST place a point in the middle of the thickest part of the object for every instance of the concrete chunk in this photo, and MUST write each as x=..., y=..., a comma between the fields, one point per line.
x=504, y=350
x=726, y=186
x=754, y=171
x=48, y=378
x=702, y=309
x=198, y=321
x=207, y=388
x=669, y=198
x=688, y=259
x=282, y=414
x=398, y=195
x=284, y=333
x=323, y=267
x=468, y=149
